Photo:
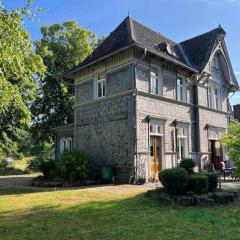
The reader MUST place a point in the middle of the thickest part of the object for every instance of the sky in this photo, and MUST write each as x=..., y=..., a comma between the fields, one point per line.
x=176, y=19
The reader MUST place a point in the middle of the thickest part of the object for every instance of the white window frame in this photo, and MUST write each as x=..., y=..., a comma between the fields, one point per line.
x=185, y=138
x=214, y=100
x=181, y=94
x=215, y=68
x=102, y=83
x=65, y=144
x=158, y=80
x=156, y=127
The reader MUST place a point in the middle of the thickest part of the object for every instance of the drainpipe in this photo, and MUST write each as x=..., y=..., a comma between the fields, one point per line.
x=176, y=143
x=148, y=122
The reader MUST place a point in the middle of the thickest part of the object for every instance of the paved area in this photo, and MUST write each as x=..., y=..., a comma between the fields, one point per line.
x=23, y=181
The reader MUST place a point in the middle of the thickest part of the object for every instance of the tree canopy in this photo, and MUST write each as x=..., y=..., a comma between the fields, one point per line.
x=62, y=47
x=231, y=140
x=19, y=68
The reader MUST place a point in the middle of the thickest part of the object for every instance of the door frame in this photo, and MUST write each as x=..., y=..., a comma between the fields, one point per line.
x=160, y=158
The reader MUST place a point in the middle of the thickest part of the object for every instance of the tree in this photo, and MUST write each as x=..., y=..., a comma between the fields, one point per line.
x=19, y=68
x=231, y=140
x=62, y=47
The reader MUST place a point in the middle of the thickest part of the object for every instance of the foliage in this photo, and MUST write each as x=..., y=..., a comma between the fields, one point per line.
x=188, y=164
x=46, y=154
x=198, y=183
x=19, y=68
x=174, y=180
x=212, y=181
x=62, y=47
x=48, y=168
x=6, y=168
x=231, y=140
x=75, y=165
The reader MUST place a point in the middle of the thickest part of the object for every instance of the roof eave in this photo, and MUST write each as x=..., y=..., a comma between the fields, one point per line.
x=72, y=73
x=176, y=62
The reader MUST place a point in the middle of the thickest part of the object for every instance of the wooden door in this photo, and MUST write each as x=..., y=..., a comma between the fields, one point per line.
x=155, y=156
x=216, y=154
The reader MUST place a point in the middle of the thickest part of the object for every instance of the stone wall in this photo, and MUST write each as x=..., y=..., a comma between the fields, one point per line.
x=119, y=81
x=105, y=127
x=106, y=130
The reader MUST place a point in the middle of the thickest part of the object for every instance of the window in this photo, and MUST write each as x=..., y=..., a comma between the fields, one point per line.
x=210, y=97
x=216, y=96
x=179, y=89
x=154, y=81
x=182, y=143
x=157, y=129
x=215, y=68
x=214, y=100
x=101, y=85
x=65, y=144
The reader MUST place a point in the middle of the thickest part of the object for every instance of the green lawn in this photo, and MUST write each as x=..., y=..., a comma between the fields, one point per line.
x=92, y=214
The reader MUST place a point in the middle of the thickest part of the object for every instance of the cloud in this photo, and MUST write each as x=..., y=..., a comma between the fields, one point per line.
x=237, y=73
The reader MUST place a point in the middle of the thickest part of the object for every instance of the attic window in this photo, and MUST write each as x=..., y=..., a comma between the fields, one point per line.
x=215, y=68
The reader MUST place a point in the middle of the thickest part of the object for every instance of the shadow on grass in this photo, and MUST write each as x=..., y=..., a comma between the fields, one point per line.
x=136, y=217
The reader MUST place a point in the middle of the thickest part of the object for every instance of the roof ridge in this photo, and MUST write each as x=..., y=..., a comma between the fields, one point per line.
x=200, y=35
x=132, y=29
x=162, y=35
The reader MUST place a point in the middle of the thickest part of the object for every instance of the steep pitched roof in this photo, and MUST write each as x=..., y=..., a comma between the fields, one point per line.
x=199, y=48
x=127, y=33
x=193, y=54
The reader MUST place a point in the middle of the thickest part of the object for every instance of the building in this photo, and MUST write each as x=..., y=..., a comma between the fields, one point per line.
x=144, y=102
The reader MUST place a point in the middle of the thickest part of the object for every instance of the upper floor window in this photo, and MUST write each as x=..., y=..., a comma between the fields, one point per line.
x=215, y=68
x=179, y=90
x=154, y=82
x=217, y=98
x=214, y=100
x=101, y=85
x=210, y=97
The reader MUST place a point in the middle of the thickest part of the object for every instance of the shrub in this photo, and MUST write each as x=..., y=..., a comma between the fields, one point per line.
x=34, y=164
x=174, y=180
x=75, y=165
x=188, y=164
x=198, y=183
x=48, y=168
x=212, y=181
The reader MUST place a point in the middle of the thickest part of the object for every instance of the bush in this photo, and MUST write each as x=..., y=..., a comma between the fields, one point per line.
x=198, y=183
x=48, y=168
x=212, y=181
x=188, y=164
x=174, y=180
x=34, y=164
x=75, y=165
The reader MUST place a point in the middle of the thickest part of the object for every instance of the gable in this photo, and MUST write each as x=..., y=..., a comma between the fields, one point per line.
x=219, y=66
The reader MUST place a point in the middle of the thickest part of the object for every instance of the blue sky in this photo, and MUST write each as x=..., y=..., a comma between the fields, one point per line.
x=177, y=19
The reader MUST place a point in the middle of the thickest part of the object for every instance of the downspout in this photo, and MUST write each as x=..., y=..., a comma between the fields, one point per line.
x=176, y=142
x=198, y=140
x=148, y=122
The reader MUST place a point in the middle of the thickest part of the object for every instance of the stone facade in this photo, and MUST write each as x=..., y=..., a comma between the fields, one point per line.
x=115, y=129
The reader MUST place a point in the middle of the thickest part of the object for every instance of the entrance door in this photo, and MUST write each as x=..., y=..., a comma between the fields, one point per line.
x=156, y=156
x=216, y=154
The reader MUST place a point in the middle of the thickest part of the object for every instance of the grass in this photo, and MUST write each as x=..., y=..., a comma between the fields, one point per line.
x=96, y=214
